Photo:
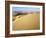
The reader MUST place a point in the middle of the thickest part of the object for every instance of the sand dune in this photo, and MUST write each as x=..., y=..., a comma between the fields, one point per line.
x=27, y=22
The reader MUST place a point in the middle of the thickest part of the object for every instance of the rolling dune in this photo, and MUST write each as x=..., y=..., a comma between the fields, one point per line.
x=27, y=22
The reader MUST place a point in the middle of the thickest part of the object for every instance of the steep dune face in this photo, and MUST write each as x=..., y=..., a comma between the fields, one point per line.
x=27, y=22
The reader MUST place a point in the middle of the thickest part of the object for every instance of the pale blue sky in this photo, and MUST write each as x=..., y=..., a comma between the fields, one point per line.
x=25, y=9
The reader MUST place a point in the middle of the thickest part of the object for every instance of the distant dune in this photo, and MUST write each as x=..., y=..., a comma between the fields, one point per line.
x=16, y=12
x=27, y=22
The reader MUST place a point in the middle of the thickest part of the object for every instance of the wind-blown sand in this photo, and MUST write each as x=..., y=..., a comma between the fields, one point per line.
x=27, y=22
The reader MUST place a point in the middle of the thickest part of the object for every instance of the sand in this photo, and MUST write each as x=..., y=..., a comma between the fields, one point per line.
x=27, y=22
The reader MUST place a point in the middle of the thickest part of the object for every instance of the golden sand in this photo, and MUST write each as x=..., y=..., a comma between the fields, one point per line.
x=27, y=22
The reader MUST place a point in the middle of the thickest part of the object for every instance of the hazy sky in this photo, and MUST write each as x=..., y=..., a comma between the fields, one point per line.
x=25, y=9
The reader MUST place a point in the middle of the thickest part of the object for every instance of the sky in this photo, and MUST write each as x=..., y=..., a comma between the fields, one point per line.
x=25, y=9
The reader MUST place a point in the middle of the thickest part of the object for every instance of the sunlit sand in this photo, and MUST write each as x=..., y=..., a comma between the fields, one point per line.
x=27, y=22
